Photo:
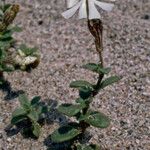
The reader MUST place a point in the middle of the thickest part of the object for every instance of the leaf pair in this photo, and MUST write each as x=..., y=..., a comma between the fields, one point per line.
x=82, y=85
x=65, y=133
x=69, y=132
x=87, y=87
x=69, y=109
x=29, y=111
x=96, y=119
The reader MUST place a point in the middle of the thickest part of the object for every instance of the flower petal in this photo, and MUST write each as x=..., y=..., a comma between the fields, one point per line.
x=93, y=12
x=104, y=6
x=69, y=13
x=82, y=10
x=71, y=3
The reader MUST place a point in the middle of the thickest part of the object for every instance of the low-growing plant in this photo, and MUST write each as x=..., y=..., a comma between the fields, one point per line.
x=27, y=58
x=84, y=115
x=29, y=113
x=13, y=56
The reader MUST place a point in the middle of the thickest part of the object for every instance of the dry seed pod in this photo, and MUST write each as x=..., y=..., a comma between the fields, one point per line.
x=10, y=14
x=2, y=27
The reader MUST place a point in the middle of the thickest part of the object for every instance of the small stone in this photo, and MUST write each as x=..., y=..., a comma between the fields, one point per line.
x=8, y=139
x=137, y=141
x=146, y=17
x=122, y=123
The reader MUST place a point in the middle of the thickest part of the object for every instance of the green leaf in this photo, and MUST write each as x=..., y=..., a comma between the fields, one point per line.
x=1, y=82
x=41, y=110
x=84, y=102
x=85, y=94
x=1, y=15
x=38, y=109
x=24, y=102
x=6, y=6
x=97, y=119
x=109, y=81
x=82, y=117
x=35, y=100
x=17, y=119
x=79, y=100
x=6, y=36
x=28, y=51
x=33, y=115
x=82, y=85
x=1, y=54
x=65, y=133
x=44, y=109
x=7, y=68
x=69, y=109
x=96, y=68
x=36, y=129
x=89, y=147
x=4, y=45
x=18, y=112
x=16, y=29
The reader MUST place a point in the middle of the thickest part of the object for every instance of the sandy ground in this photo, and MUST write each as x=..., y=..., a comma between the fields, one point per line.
x=65, y=45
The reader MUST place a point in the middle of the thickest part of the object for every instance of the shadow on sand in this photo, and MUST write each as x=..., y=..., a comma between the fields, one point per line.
x=10, y=93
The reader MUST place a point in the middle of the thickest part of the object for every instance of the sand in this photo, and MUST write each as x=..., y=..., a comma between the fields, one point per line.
x=65, y=45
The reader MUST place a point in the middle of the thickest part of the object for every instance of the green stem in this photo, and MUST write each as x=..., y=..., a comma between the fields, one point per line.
x=96, y=29
x=1, y=74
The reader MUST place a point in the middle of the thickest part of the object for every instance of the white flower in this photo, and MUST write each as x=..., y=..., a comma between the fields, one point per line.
x=92, y=13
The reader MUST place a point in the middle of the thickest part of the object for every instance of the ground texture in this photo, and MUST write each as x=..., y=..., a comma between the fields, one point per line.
x=65, y=45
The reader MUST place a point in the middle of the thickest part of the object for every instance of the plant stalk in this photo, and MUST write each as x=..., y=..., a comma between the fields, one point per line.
x=96, y=29
x=1, y=74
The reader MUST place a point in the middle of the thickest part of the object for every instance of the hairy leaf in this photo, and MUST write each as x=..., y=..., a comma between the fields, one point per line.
x=24, y=102
x=85, y=94
x=6, y=36
x=84, y=102
x=36, y=129
x=18, y=119
x=33, y=115
x=35, y=100
x=109, y=81
x=82, y=85
x=96, y=68
x=97, y=119
x=88, y=147
x=7, y=68
x=6, y=44
x=6, y=6
x=28, y=51
x=16, y=29
x=19, y=112
x=69, y=109
x=65, y=133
